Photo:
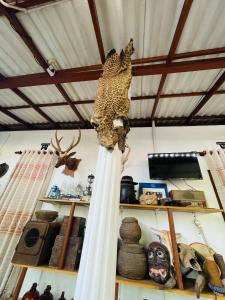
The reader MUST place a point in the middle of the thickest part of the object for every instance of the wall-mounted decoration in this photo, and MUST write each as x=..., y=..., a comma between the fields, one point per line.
x=3, y=169
x=158, y=189
x=159, y=264
x=65, y=156
x=112, y=104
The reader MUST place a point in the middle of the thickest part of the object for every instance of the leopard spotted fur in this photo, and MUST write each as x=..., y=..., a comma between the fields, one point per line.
x=112, y=99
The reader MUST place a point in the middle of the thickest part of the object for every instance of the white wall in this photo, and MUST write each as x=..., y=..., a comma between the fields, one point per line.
x=140, y=140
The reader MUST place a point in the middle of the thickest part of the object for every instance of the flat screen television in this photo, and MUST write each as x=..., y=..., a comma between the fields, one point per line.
x=174, y=166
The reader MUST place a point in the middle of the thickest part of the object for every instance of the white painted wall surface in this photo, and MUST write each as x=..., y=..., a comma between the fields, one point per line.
x=140, y=140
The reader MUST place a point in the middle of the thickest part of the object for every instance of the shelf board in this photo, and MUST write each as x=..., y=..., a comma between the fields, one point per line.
x=147, y=284
x=46, y=268
x=138, y=206
x=64, y=201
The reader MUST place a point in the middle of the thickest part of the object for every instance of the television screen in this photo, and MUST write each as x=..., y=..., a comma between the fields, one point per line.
x=174, y=165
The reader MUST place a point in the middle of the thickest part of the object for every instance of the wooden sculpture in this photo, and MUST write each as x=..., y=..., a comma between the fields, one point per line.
x=112, y=105
x=71, y=163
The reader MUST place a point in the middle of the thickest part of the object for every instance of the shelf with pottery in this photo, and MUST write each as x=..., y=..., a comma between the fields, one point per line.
x=187, y=209
x=145, y=284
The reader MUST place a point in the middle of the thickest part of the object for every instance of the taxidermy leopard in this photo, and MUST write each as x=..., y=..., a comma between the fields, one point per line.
x=112, y=104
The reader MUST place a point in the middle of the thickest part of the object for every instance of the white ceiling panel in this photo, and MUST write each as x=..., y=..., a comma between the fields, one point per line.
x=86, y=110
x=29, y=115
x=61, y=113
x=4, y=119
x=190, y=81
x=16, y=59
x=145, y=85
x=150, y=23
x=141, y=109
x=82, y=90
x=8, y=98
x=43, y=94
x=205, y=26
x=215, y=106
x=176, y=107
x=64, y=32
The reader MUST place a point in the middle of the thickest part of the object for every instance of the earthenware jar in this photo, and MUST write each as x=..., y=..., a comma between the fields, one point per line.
x=130, y=230
x=132, y=262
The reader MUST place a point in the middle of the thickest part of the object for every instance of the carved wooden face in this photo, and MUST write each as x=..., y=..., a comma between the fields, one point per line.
x=158, y=262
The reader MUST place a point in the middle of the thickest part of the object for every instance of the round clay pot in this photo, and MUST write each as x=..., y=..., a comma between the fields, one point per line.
x=130, y=231
x=132, y=261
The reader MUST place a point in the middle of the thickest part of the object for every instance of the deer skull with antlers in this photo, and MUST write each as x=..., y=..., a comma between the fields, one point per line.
x=71, y=163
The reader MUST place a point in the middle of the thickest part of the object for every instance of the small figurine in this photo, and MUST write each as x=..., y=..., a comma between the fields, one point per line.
x=54, y=192
x=47, y=295
x=33, y=294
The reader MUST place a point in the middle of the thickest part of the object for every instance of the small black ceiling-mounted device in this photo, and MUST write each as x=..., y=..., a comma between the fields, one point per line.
x=44, y=146
x=222, y=144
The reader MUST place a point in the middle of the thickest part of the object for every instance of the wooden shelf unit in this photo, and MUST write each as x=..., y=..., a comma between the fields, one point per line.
x=120, y=280
x=146, y=284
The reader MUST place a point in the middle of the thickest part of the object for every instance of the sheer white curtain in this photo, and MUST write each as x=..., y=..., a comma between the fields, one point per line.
x=216, y=164
x=97, y=271
x=27, y=183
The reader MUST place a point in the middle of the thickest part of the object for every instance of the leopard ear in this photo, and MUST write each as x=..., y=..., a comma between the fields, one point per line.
x=111, y=52
x=122, y=55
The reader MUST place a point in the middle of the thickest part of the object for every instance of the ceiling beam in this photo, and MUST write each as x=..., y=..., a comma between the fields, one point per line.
x=207, y=97
x=4, y=127
x=171, y=121
x=14, y=117
x=94, y=16
x=176, y=39
x=71, y=75
x=18, y=27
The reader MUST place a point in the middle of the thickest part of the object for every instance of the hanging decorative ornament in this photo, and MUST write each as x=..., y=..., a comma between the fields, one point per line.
x=112, y=104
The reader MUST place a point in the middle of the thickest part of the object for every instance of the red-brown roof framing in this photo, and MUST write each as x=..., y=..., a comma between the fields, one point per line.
x=176, y=38
x=18, y=27
x=79, y=74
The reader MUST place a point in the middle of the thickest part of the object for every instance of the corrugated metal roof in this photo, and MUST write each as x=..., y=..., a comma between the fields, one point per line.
x=86, y=110
x=205, y=26
x=61, y=113
x=176, y=107
x=215, y=106
x=16, y=59
x=141, y=109
x=150, y=23
x=145, y=85
x=43, y=94
x=190, y=81
x=29, y=115
x=8, y=98
x=4, y=119
x=64, y=32
x=81, y=90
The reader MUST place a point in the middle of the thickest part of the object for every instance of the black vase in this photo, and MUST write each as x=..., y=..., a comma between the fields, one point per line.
x=127, y=191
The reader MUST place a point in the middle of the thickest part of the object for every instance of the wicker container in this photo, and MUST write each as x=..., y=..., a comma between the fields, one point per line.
x=130, y=230
x=132, y=261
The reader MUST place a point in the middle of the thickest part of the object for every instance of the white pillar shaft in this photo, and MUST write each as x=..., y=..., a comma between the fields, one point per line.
x=96, y=278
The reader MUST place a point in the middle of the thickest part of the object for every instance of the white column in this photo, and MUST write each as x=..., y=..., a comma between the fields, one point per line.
x=97, y=272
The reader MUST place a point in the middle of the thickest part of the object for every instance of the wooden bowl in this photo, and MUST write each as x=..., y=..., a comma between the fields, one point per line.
x=46, y=215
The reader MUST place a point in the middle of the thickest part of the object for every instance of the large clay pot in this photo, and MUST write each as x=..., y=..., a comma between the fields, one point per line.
x=132, y=262
x=130, y=230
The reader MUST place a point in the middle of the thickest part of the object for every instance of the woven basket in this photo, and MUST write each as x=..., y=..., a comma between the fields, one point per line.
x=130, y=230
x=132, y=262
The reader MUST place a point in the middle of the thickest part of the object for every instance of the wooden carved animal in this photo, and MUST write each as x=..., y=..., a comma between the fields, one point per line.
x=112, y=104
x=64, y=157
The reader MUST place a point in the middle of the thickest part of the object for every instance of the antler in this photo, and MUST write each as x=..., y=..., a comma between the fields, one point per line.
x=125, y=158
x=72, y=145
x=57, y=148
